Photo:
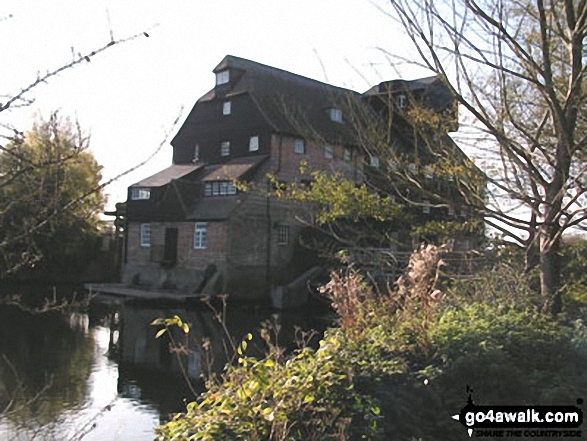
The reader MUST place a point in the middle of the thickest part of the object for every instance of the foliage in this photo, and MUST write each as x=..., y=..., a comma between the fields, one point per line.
x=398, y=364
x=338, y=197
x=50, y=205
x=308, y=396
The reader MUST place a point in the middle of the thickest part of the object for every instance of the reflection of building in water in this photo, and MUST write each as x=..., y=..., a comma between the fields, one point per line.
x=137, y=346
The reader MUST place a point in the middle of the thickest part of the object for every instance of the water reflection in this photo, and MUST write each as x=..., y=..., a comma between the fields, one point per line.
x=103, y=375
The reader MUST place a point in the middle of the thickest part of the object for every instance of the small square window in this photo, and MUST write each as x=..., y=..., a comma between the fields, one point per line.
x=222, y=77
x=201, y=236
x=328, y=151
x=283, y=234
x=412, y=167
x=253, y=143
x=374, y=161
x=299, y=146
x=347, y=154
x=225, y=148
x=145, y=235
x=336, y=115
x=226, y=107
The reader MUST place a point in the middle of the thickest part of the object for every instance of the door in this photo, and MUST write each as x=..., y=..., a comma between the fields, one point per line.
x=170, y=250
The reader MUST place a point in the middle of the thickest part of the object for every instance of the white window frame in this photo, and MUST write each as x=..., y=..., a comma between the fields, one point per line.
x=329, y=151
x=283, y=234
x=225, y=148
x=299, y=146
x=335, y=115
x=254, y=143
x=347, y=153
x=219, y=188
x=145, y=235
x=402, y=101
x=226, y=107
x=374, y=161
x=140, y=193
x=200, y=236
x=426, y=206
x=222, y=77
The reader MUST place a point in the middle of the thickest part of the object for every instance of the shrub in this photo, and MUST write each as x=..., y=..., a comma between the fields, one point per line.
x=309, y=396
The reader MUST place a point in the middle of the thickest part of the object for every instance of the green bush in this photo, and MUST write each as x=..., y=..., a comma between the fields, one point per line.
x=310, y=396
x=397, y=367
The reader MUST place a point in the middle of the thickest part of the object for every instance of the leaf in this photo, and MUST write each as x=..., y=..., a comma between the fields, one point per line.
x=186, y=328
x=160, y=332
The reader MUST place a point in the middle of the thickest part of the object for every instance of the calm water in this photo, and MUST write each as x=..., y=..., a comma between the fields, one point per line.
x=102, y=375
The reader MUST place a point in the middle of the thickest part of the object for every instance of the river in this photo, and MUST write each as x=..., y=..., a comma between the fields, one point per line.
x=102, y=375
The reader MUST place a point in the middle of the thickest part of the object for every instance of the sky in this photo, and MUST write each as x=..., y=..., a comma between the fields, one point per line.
x=128, y=97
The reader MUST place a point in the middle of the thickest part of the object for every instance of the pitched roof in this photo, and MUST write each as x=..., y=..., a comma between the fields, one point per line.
x=167, y=175
x=209, y=209
x=290, y=103
x=231, y=170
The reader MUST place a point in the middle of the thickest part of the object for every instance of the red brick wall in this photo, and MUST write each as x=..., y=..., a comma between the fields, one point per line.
x=289, y=166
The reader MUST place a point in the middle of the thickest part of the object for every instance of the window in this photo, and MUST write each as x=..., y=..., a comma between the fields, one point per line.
x=225, y=148
x=426, y=207
x=374, y=161
x=226, y=107
x=412, y=167
x=299, y=146
x=140, y=193
x=451, y=210
x=222, y=77
x=283, y=234
x=335, y=115
x=253, y=143
x=145, y=237
x=219, y=188
x=200, y=235
x=328, y=152
x=402, y=101
x=429, y=172
x=196, y=153
x=347, y=154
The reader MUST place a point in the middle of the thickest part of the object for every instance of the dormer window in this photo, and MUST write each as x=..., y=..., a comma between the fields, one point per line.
x=219, y=188
x=140, y=193
x=222, y=77
x=226, y=108
x=402, y=101
x=225, y=148
x=335, y=115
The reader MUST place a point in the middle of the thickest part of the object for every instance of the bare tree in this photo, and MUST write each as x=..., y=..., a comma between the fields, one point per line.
x=517, y=69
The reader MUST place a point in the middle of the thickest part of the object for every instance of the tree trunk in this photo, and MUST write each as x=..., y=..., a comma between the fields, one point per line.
x=550, y=274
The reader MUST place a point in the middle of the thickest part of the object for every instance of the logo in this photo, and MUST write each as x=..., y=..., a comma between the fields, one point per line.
x=520, y=421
